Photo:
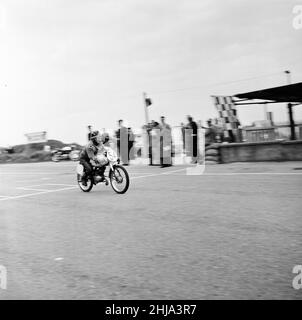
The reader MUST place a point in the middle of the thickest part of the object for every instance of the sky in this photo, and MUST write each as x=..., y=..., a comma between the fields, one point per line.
x=71, y=63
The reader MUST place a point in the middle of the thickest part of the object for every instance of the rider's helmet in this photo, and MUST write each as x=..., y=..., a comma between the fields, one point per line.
x=94, y=136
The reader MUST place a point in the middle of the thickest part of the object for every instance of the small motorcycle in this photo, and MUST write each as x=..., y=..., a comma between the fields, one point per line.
x=118, y=175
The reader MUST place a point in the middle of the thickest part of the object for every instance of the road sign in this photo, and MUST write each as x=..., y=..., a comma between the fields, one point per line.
x=36, y=137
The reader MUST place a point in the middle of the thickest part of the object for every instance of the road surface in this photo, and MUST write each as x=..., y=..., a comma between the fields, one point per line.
x=234, y=232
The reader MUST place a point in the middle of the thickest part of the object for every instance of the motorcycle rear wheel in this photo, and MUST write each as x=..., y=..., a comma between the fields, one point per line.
x=81, y=185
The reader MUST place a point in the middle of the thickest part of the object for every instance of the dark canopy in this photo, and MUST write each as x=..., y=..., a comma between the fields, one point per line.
x=289, y=93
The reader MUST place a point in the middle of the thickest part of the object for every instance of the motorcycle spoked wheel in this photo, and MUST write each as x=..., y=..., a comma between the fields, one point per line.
x=82, y=187
x=119, y=179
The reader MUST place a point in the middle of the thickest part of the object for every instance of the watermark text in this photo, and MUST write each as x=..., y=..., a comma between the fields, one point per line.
x=297, y=20
x=3, y=277
x=297, y=281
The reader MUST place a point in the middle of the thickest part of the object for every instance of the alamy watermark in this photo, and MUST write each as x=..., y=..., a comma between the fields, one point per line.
x=3, y=278
x=297, y=281
x=160, y=147
x=2, y=18
x=297, y=20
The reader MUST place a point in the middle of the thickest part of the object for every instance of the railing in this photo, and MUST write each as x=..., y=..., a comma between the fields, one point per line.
x=270, y=134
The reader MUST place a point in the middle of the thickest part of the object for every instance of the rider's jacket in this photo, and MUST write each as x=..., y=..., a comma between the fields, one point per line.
x=89, y=152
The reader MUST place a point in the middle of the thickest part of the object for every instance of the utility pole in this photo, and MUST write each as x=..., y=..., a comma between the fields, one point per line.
x=265, y=111
x=149, y=144
x=290, y=110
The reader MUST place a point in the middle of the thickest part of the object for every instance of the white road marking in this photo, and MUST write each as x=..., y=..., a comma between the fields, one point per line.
x=139, y=172
x=33, y=180
x=250, y=173
x=32, y=189
x=37, y=193
x=33, y=173
x=34, y=185
x=158, y=174
x=149, y=175
x=46, y=184
x=59, y=259
x=59, y=184
x=221, y=173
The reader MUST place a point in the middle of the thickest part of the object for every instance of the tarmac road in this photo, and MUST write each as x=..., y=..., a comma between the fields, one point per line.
x=234, y=232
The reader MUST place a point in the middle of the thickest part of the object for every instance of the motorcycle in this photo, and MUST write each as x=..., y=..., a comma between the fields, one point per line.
x=118, y=175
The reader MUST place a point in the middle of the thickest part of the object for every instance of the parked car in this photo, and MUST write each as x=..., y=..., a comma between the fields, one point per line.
x=66, y=153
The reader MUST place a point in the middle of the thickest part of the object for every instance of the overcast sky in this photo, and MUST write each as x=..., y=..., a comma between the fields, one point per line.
x=69, y=63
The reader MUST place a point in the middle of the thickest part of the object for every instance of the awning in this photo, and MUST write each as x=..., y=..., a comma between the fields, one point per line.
x=289, y=93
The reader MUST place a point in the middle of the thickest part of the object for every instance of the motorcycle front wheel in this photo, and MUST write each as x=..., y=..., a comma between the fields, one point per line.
x=119, y=179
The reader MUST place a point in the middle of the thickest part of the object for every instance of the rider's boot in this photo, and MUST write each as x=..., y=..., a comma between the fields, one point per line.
x=84, y=181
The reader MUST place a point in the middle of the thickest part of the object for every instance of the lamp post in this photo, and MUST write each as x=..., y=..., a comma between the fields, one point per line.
x=290, y=110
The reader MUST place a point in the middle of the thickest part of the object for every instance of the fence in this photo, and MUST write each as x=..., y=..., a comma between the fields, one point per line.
x=273, y=133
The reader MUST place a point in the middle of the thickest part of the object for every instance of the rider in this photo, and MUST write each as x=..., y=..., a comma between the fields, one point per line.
x=88, y=154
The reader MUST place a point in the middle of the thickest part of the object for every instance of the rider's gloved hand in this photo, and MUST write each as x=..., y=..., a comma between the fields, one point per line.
x=94, y=161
